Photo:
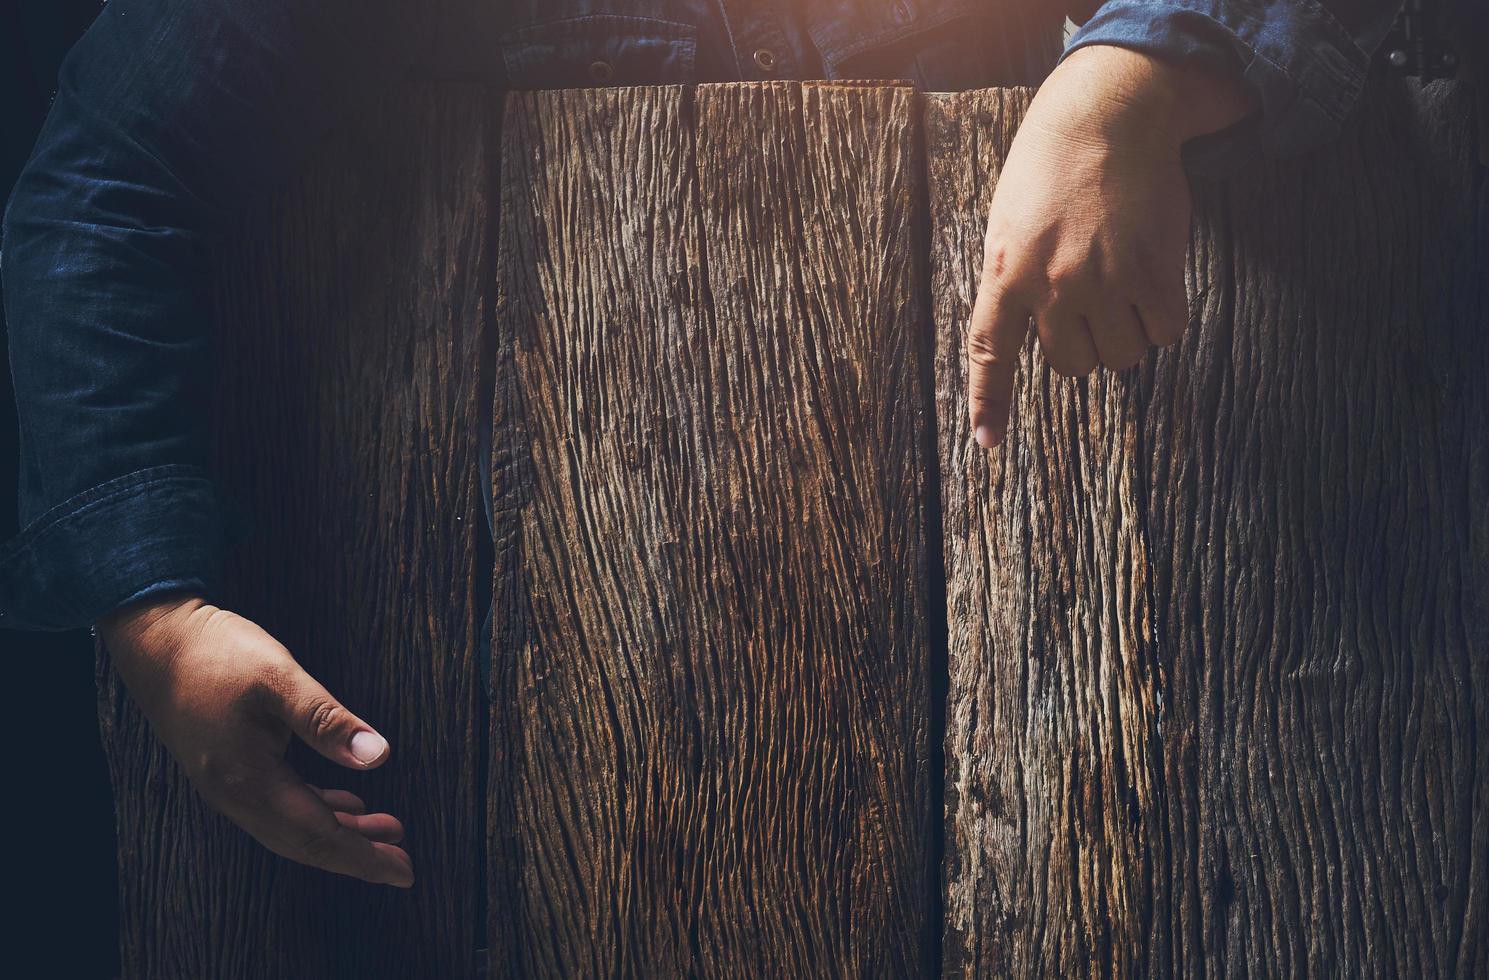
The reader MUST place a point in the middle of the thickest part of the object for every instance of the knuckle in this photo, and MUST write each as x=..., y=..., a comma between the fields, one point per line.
x=997, y=261
x=1067, y=280
x=1008, y=272
x=1066, y=271
x=983, y=349
x=325, y=716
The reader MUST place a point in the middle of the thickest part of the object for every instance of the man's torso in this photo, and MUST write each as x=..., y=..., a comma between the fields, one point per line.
x=941, y=45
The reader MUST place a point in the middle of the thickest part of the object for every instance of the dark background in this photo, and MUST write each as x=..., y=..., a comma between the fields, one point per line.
x=59, y=811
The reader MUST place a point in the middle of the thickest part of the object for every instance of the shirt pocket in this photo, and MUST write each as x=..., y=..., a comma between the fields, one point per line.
x=599, y=49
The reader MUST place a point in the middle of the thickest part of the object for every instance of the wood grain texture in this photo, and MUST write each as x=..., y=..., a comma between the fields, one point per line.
x=350, y=321
x=1219, y=698
x=1219, y=682
x=712, y=627
x=1053, y=777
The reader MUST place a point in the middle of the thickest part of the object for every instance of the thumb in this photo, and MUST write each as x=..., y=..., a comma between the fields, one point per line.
x=324, y=724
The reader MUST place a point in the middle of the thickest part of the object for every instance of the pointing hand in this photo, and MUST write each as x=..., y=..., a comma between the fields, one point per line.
x=1089, y=223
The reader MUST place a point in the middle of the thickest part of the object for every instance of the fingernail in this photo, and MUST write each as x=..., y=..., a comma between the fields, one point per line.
x=368, y=747
x=985, y=437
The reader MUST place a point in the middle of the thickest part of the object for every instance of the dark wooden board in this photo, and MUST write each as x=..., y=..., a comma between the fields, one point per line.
x=350, y=319
x=1218, y=695
x=710, y=481
x=1219, y=681
x=1051, y=775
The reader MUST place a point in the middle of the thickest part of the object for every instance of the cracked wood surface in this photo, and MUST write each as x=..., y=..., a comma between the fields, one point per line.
x=1050, y=742
x=350, y=319
x=1219, y=696
x=715, y=644
x=1218, y=700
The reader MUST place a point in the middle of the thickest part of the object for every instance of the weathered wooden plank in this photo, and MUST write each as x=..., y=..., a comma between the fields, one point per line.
x=1317, y=517
x=713, y=627
x=1217, y=625
x=1218, y=683
x=350, y=319
x=1052, y=776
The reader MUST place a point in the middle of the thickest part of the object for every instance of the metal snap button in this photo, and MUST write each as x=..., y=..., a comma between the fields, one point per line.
x=601, y=71
x=766, y=59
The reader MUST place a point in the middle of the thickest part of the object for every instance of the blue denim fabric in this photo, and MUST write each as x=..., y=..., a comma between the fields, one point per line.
x=172, y=114
x=1305, y=60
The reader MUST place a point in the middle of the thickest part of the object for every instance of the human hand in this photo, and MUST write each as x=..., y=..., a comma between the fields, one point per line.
x=1090, y=222
x=224, y=696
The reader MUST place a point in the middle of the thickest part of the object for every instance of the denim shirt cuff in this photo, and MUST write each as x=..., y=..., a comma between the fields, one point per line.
x=1305, y=68
x=154, y=531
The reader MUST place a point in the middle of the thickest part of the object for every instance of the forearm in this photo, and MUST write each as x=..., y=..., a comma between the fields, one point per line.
x=107, y=331
x=170, y=114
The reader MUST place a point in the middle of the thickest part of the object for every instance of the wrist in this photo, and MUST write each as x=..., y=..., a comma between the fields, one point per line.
x=1172, y=102
x=133, y=626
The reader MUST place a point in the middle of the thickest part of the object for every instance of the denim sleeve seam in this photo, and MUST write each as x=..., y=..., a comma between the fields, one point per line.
x=110, y=492
x=162, y=586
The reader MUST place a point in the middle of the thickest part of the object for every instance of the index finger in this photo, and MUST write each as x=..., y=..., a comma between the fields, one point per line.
x=995, y=335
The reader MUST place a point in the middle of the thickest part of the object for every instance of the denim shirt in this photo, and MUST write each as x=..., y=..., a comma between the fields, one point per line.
x=173, y=114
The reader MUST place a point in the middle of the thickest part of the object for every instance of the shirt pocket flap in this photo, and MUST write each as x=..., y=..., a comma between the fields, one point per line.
x=599, y=49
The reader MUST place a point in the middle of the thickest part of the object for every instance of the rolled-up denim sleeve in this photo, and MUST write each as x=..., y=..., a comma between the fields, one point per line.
x=1305, y=60
x=169, y=115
